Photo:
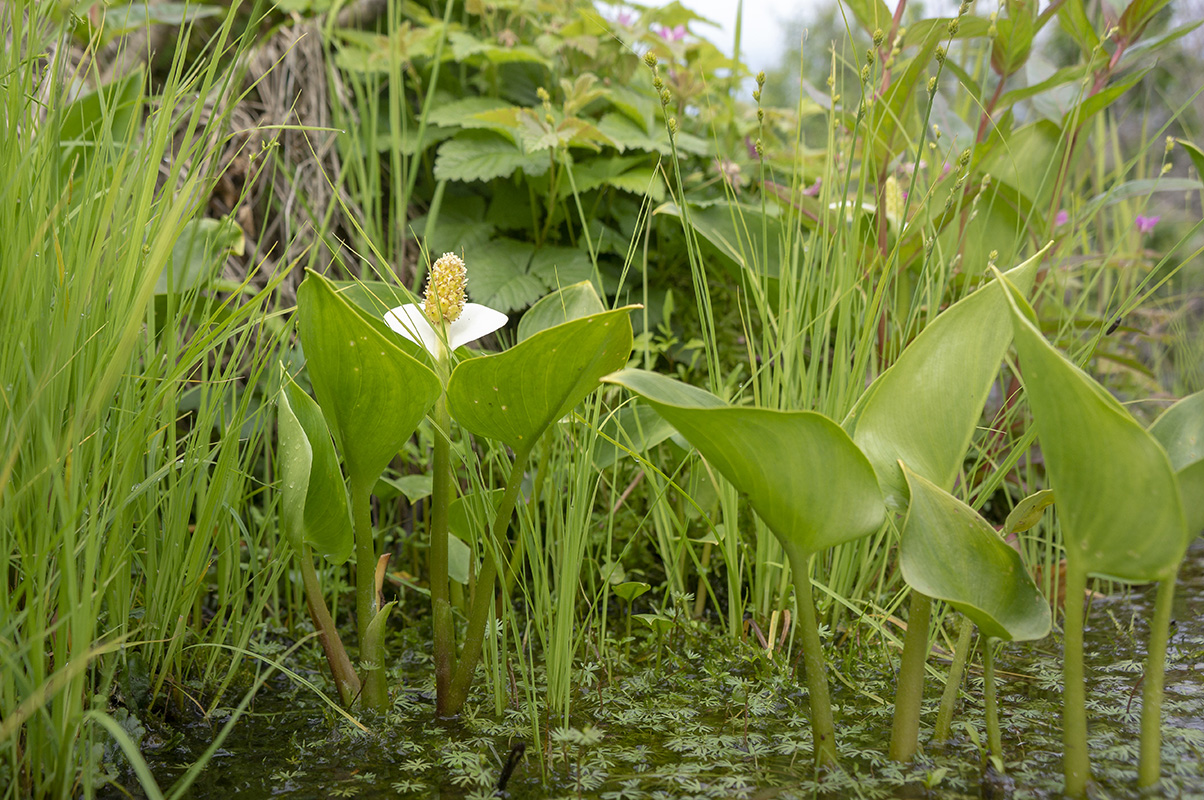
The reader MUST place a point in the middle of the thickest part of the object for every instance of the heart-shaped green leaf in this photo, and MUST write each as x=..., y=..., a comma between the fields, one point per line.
x=313, y=498
x=515, y=395
x=571, y=302
x=630, y=590
x=923, y=410
x=1117, y=496
x=372, y=393
x=951, y=553
x=802, y=473
x=1180, y=431
x=1028, y=512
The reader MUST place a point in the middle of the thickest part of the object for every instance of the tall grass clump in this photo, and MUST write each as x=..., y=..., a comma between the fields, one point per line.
x=131, y=435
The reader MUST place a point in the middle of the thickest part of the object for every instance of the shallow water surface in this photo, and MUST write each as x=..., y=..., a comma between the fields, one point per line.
x=719, y=720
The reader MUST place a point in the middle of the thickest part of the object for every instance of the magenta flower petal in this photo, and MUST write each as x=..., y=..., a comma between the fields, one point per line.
x=1061, y=218
x=1145, y=224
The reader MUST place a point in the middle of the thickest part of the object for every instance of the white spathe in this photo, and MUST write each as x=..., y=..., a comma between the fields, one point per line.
x=475, y=321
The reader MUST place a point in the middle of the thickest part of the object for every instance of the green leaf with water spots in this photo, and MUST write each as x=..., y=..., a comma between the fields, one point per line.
x=1180, y=431
x=313, y=498
x=924, y=409
x=515, y=395
x=801, y=472
x=1117, y=495
x=372, y=393
x=948, y=551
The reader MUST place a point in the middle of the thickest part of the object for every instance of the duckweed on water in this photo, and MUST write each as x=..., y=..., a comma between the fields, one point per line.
x=717, y=719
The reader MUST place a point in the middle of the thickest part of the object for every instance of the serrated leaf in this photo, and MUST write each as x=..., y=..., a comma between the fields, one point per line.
x=515, y=395
x=501, y=275
x=483, y=156
x=558, y=267
x=949, y=552
x=801, y=472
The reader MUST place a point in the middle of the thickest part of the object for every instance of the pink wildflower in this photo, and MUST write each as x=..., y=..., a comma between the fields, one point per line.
x=1061, y=218
x=674, y=34
x=625, y=19
x=1145, y=224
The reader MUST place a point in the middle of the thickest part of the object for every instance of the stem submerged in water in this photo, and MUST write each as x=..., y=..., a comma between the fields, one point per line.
x=482, y=601
x=909, y=695
x=944, y=717
x=376, y=690
x=1149, y=769
x=1076, y=764
x=345, y=678
x=823, y=730
x=994, y=738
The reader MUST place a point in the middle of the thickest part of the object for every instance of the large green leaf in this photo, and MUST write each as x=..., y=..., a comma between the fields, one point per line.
x=1117, y=495
x=924, y=409
x=371, y=392
x=313, y=498
x=802, y=473
x=1180, y=431
x=951, y=553
x=571, y=302
x=736, y=232
x=515, y=395
x=102, y=118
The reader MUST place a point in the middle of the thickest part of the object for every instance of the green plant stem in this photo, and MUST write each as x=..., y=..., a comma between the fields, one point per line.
x=1076, y=765
x=345, y=678
x=994, y=739
x=482, y=600
x=441, y=497
x=376, y=692
x=944, y=717
x=909, y=694
x=1149, y=768
x=823, y=730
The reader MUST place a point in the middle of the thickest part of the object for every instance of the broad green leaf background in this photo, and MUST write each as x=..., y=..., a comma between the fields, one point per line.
x=313, y=498
x=1117, y=496
x=924, y=409
x=1180, y=430
x=372, y=394
x=801, y=472
x=572, y=302
x=951, y=553
x=515, y=395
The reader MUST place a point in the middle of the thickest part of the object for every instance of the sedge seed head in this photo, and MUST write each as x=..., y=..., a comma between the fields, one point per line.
x=444, y=299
